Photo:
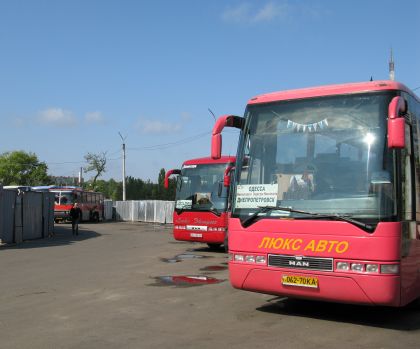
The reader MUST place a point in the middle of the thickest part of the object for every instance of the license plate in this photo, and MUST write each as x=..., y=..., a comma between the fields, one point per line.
x=196, y=235
x=301, y=281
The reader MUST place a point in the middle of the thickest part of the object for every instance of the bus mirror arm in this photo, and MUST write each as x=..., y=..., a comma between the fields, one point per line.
x=226, y=176
x=396, y=123
x=216, y=137
x=168, y=174
x=219, y=189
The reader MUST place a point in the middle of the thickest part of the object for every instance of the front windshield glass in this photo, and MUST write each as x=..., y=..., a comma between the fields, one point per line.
x=199, y=187
x=63, y=198
x=323, y=155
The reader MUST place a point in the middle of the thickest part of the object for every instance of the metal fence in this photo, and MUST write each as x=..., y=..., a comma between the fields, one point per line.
x=153, y=211
x=108, y=210
x=25, y=215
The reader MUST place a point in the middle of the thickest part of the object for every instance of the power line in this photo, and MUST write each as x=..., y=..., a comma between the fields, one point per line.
x=170, y=144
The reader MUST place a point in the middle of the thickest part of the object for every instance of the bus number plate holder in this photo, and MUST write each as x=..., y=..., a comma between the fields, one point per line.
x=196, y=235
x=299, y=281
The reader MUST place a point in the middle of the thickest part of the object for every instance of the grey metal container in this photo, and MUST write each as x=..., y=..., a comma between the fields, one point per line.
x=7, y=215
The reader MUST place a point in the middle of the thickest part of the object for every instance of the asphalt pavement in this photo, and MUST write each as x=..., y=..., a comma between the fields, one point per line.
x=130, y=285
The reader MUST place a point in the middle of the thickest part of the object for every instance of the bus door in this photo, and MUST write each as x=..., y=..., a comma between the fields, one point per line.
x=410, y=254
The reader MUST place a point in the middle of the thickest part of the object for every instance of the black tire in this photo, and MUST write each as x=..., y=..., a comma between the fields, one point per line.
x=226, y=243
x=214, y=246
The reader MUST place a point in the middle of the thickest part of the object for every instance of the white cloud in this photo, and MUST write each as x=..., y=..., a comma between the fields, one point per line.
x=270, y=11
x=247, y=13
x=57, y=117
x=156, y=126
x=239, y=13
x=94, y=117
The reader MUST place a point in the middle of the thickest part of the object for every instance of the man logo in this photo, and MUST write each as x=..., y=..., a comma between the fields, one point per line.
x=299, y=264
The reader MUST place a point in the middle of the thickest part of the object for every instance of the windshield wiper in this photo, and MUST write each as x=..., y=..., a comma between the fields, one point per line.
x=264, y=209
x=215, y=211
x=212, y=210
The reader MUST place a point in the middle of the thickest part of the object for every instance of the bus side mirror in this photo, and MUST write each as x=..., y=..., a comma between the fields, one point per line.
x=168, y=174
x=216, y=146
x=216, y=137
x=396, y=123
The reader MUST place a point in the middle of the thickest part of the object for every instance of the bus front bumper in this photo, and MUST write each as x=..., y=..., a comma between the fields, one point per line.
x=62, y=215
x=211, y=237
x=356, y=289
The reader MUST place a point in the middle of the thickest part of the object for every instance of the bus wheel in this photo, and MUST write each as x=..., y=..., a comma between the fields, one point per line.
x=214, y=246
x=226, y=243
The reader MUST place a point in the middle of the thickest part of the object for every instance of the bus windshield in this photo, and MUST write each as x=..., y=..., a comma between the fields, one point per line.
x=325, y=155
x=64, y=198
x=199, y=186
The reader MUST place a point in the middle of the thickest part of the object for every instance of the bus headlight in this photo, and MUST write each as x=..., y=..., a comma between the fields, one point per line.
x=372, y=268
x=357, y=267
x=343, y=266
x=390, y=269
x=260, y=260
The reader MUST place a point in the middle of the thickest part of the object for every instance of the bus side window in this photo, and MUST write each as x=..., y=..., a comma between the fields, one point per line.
x=77, y=197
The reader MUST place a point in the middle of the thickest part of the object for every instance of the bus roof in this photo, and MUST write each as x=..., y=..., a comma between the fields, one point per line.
x=209, y=160
x=64, y=188
x=328, y=90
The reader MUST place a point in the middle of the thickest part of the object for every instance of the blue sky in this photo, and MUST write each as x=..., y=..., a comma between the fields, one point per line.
x=75, y=73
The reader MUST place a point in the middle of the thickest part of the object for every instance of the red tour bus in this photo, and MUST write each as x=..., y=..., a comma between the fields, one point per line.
x=325, y=197
x=202, y=200
x=90, y=203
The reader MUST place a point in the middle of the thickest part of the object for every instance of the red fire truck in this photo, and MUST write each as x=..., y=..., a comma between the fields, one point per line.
x=201, y=206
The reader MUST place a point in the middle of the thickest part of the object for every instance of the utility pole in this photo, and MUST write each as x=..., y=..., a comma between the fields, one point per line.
x=123, y=169
x=391, y=67
x=80, y=176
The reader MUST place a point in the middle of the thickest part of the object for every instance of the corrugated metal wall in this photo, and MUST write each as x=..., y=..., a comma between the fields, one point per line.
x=7, y=211
x=153, y=211
x=48, y=213
x=108, y=208
x=32, y=215
x=25, y=215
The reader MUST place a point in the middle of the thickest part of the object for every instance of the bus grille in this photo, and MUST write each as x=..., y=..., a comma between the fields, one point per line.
x=300, y=262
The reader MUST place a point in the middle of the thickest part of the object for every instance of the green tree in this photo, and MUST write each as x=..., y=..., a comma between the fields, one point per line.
x=96, y=163
x=22, y=168
x=111, y=189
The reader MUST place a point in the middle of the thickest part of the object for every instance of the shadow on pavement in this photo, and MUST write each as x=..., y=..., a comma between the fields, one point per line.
x=402, y=319
x=205, y=248
x=62, y=236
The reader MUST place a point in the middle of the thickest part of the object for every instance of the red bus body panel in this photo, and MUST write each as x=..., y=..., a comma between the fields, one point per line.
x=329, y=90
x=308, y=238
x=196, y=227
x=208, y=161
